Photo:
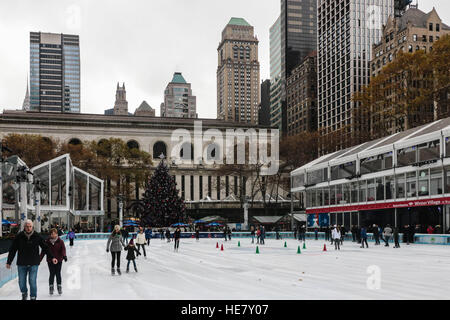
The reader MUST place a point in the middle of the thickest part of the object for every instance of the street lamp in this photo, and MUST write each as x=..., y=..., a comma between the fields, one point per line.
x=22, y=179
x=120, y=198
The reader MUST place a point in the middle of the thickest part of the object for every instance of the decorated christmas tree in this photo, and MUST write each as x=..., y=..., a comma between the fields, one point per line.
x=162, y=205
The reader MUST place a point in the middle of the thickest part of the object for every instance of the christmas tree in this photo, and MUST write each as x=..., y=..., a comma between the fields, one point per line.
x=162, y=205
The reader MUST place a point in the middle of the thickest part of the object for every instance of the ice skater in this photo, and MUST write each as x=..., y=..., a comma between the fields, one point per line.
x=148, y=235
x=197, y=234
x=336, y=236
x=364, y=237
x=225, y=231
x=71, y=236
x=168, y=234
x=115, y=244
x=302, y=233
x=131, y=249
x=376, y=234
x=263, y=235
x=387, y=235
x=26, y=244
x=58, y=250
x=396, y=238
x=140, y=242
x=176, y=238
x=258, y=235
x=252, y=233
x=229, y=233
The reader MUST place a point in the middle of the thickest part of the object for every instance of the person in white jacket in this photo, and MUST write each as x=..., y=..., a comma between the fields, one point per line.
x=336, y=235
x=140, y=241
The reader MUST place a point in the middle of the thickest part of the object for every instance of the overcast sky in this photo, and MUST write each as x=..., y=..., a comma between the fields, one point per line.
x=139, y=42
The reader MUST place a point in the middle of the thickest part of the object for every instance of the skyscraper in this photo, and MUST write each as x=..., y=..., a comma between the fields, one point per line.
x=264, y=106
x=346, y=31
x=54, y=72
x=292, y=37
x=178, y=99
x=238, y=86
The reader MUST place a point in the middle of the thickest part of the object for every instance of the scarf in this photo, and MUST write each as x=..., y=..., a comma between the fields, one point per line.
x=28, y=235
x=52, y=241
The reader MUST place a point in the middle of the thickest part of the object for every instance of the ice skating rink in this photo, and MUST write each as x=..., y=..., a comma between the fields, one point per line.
x=199, y=271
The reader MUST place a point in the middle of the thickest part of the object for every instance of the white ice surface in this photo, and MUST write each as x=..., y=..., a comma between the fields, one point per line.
x=199, y=271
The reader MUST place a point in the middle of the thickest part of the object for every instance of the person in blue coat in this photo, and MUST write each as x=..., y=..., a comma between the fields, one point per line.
x=364, y=237
x=148, y=235
x=71, y=236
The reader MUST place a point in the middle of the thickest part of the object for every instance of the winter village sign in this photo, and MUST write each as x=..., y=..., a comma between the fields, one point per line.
x=234, y=140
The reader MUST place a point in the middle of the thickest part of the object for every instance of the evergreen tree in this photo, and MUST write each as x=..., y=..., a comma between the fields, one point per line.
x=162, y=205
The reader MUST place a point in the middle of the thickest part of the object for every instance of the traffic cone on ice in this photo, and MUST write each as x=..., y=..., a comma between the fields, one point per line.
x=217, y=245
x=192, y=236
x=257, y=249
x=239, y=243
x=324, y=247
x=298, y=250
x=221, y=247
x=285, y=245
x=304, y=245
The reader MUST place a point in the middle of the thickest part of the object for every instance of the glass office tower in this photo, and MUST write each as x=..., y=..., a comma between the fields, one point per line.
x=54, y=72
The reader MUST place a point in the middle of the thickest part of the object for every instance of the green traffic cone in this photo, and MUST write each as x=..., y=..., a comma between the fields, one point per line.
x=257, y=249
x=304, y=245
x=285, y=245
x=298, y=250
x=239, y=243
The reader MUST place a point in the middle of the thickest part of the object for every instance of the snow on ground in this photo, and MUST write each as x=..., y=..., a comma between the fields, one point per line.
x=199, y=271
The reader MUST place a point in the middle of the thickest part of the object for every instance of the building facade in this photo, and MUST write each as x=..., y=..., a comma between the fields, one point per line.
x=54, y=72
x=276, y=77
x=302, y=97
x=178, y=99
x=346, y=31
x=203, y=184
x=144, y=110
x=264, y=106
x=238, y=79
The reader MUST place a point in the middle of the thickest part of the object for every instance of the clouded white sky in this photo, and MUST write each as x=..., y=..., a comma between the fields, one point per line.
x=139, y=42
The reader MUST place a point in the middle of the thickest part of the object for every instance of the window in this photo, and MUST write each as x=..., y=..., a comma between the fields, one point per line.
x=411, y=184
x=400, y=185
x=430, y=26
x=438, y=27
x=429, y=151
x=406, y=156
x=431, y=38
x=410, y=48
x=423, y=183
x=424, y=38
x=389, y=187
x=414, y=37
x=371, y=188
x=435, y=181
x=380, y=188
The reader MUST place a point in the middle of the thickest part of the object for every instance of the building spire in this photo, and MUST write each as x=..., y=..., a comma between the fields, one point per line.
x=26, y=102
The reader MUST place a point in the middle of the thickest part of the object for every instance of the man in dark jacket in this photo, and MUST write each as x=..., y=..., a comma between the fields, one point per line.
x=376, y=234
x=354, y=230
x=27, y=244
x=124, y=234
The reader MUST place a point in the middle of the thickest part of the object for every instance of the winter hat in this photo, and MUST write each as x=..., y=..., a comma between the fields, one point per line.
x=132, y=242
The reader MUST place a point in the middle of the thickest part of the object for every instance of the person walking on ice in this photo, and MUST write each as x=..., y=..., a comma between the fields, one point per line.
x=336, y=236
x=148, y=235
x=387, y=235
x=364, y=237
x=115, y=245
x=140, y=242
x=396, y=238
x=168, y=234
x=58, y=250
x=176, y=238
x=26, y=244
x=131, y=249
x=71, y=236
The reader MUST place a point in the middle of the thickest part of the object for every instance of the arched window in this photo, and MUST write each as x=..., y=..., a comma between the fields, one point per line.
x=187, y=151
x=247, y=52
x=213, y=152
x=132, y=144
x=235, y=52
x=75, y=141
x=158, y=149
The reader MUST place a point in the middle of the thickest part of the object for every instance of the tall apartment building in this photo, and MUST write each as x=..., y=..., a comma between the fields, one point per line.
x=54, y=72
x=346, y=31
x=302, y=97
x=414, y=31
x=238, y=82
x=178, y=99
x=294, y=34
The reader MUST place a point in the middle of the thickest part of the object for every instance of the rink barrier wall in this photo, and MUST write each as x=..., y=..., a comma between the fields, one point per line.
x=7, y=275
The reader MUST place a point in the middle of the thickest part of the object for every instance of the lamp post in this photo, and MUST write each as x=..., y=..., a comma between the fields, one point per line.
x=246, y=213
x=37, y=204
x=22, y=179
x=120, y=198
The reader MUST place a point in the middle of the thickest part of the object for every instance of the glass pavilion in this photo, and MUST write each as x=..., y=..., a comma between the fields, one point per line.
x=400, y=179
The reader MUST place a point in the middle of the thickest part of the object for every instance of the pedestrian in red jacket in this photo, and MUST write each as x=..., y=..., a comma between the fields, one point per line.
x=430, y=230
x=58, y=250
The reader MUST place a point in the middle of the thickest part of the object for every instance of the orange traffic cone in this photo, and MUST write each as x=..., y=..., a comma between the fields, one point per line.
x=192, y=236
x=221, y=247
x=217, y=245
x=324, y=247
